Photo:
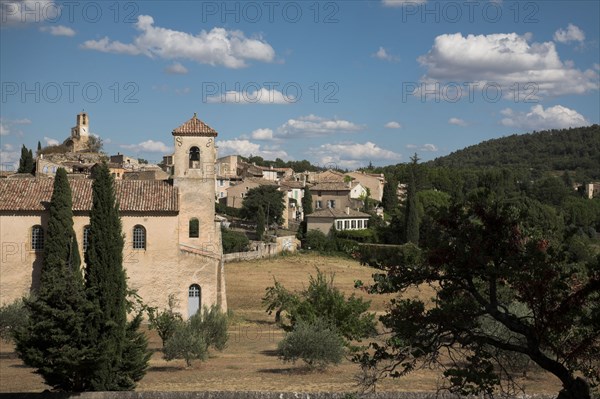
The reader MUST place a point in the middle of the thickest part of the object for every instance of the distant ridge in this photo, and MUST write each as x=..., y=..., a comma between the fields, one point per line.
x=549, y=150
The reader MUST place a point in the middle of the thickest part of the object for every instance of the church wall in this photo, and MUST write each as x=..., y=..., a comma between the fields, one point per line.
x=159, y=270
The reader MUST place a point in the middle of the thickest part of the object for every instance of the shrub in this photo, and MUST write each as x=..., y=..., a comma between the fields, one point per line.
x=234, y=241
x=186, y=344
x=191, y=339
x=317, y=344
x=13, y=316
x=315, y=240
x=211, y=325
x=165, y=321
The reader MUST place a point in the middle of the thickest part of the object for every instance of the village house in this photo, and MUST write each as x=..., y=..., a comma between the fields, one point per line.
x=342, y=219
x=172, y=239
x=337, y=195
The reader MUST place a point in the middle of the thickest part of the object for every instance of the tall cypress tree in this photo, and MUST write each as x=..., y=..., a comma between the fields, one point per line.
x=307, y=209
x=26, y=164
x=119, y=344
x=54, y=341
x=412, y=213
x=390, y=197
x=260, y=223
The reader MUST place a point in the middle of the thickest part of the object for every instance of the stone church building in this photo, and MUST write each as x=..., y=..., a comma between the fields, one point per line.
x=172, y=240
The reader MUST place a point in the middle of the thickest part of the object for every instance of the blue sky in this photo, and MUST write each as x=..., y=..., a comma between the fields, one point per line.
x=338, y=83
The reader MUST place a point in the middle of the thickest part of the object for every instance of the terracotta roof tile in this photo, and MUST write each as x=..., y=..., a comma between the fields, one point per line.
x=332, y=186
x=195, y=127
x=133, y=195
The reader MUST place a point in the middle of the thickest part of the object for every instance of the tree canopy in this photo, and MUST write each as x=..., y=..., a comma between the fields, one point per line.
x=267, y=197
x=501, y=286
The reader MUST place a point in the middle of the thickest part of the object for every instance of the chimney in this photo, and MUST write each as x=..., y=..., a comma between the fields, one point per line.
x=347, y=210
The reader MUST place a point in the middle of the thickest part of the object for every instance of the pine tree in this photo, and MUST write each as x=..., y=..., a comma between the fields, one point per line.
x=390, y=196
x=260, y=223
x=26, y=164
x=54, y=341
x=114, y=368
x=39, y=148
x=412, y=214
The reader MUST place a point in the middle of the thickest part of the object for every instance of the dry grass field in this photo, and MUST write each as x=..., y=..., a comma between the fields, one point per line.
x=249, y=362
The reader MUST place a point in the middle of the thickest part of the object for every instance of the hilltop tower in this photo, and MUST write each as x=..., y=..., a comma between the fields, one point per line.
x=80, y=134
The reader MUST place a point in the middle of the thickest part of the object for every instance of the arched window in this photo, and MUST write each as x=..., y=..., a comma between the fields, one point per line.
x=194, y=297
x=86, y=237
x=37, y=238
x=194, y=228
x=139, y=237
x=194, y=158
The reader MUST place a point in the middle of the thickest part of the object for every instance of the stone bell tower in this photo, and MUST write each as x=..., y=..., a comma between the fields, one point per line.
x=80, y=134
x=194, y=175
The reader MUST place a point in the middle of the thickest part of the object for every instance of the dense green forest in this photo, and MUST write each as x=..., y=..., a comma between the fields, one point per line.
x=575, y=150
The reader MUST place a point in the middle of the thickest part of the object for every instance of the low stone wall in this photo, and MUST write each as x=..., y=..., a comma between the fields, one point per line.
x=248, y=395
x=286, y=243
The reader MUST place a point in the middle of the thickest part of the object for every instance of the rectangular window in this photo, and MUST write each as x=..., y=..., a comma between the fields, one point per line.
x=360, y=224
x=339, y=225
x=346, y=224
x=37, y=238
x=353, y=224
x=318, y=204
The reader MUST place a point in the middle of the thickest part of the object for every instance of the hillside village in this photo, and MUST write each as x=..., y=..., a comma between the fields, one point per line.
x=184, y=218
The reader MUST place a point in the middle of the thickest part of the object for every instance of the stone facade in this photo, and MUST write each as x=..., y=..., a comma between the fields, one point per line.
x=172, y=260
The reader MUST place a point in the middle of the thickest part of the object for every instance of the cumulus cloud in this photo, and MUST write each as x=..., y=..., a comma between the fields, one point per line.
x=260, y=96
x=393, y=125
x=176, y=69
x=7, y=124
x=9, y=159
x=148, y=146
x=262, y=134
x=247, y=148
x=51, y=141
x=457, y=122
x=572, y=34
x=382, y=54
x=28, y=11
x=218, y=47
x=58, y=30
x=316, y=126
x=352, y=155
x=429, y=148
x=402, y=3
x=538, y=118
x=506, y=60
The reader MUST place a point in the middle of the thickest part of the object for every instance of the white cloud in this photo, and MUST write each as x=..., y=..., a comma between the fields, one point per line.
x=9, y=160
x=28, y=11
x=382, y=54
x=7, y=124
x=4, y=129
x=176, y=69
x=457, y=122
x=148, y=146
x=314, y=126
x=393, y=125
x=261, y=96
x=247, y=148
x=402, y=3
x=8, y=147
x=538, y=118
x=51, y=141
x=429, y=148
x=352, y=155
x=506, y=60
x=219, y=46
x=572, y=34
x=59, y=30
x=411, y=146
x=262, y=134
